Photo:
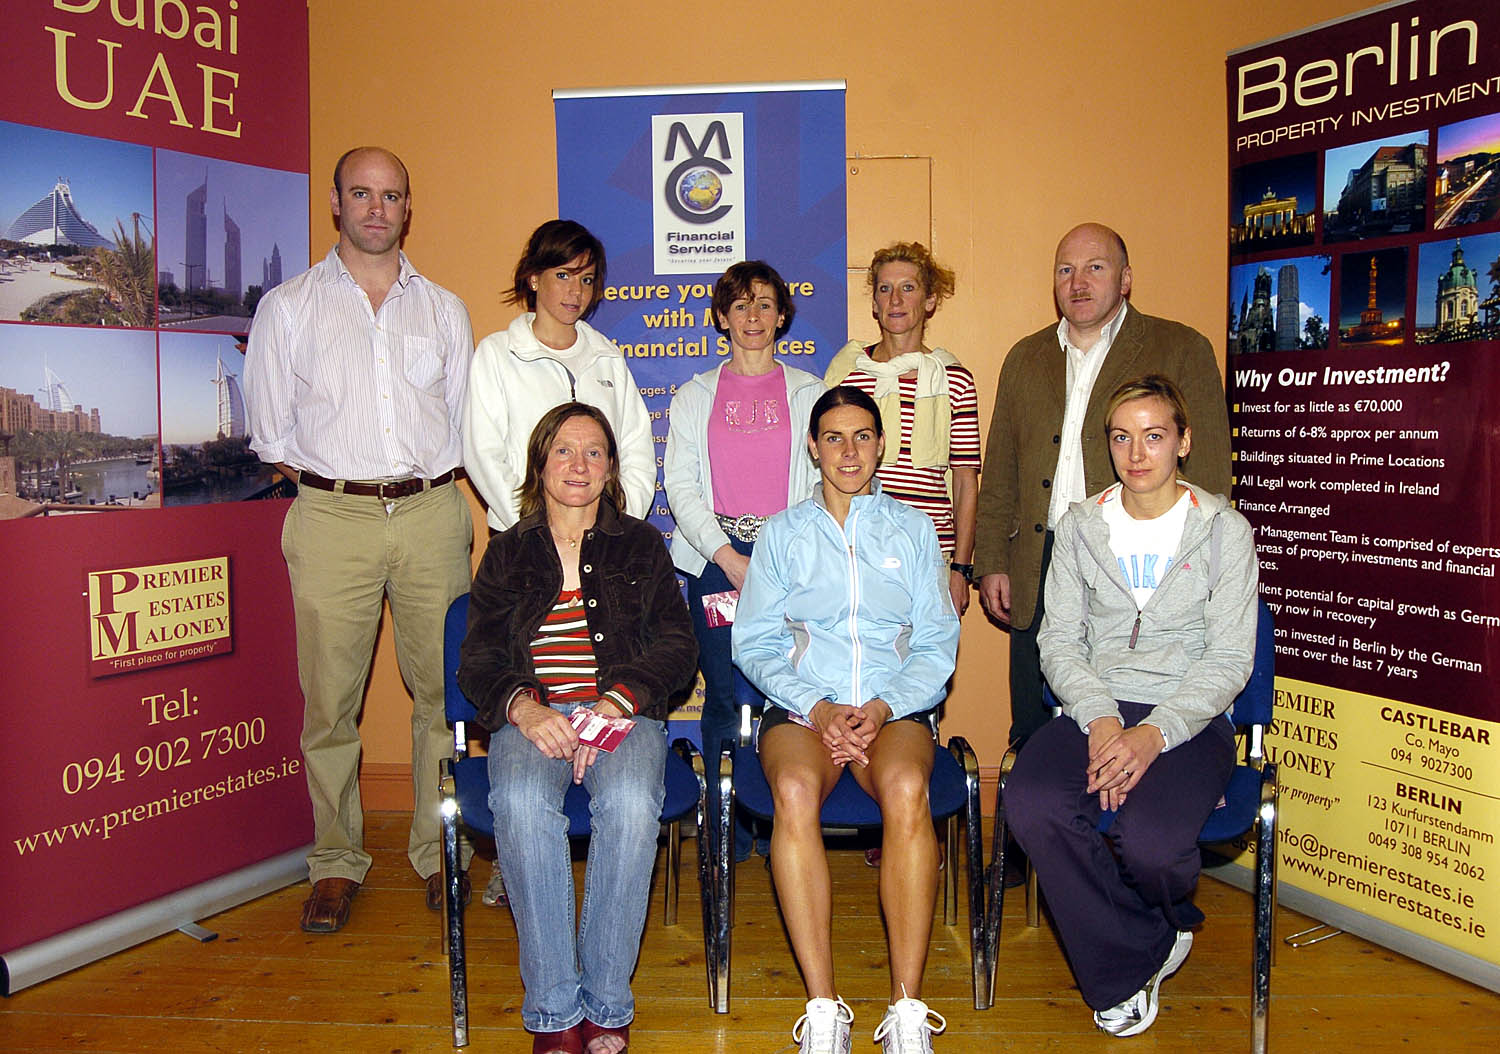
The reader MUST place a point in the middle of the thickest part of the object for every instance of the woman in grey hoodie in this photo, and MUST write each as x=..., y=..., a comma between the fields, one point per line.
x=1148, y=636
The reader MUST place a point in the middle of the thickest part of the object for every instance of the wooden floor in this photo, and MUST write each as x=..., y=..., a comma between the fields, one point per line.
x=381, y=984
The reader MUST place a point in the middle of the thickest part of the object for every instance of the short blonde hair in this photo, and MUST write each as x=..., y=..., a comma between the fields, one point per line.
x=1151, y=386
x=937, y=280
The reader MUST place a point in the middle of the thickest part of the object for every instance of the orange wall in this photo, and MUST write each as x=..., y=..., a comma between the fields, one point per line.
x=1036, y=117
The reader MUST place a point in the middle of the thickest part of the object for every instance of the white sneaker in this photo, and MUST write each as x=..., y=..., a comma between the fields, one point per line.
x=1135, y=1015
x=494, y=893
x=824, y=1029
x=908, y=1028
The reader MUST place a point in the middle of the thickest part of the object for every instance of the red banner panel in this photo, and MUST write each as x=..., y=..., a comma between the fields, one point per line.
x=211, y=77
x=153, y=186
x=1364, y=386
x=158, y=776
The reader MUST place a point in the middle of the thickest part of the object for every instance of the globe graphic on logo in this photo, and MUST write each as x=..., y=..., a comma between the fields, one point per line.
x=700, y=189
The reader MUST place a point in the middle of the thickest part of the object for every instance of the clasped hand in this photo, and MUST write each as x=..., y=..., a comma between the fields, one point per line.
x=848, y=731
x=554, y=735
x=1119, y=757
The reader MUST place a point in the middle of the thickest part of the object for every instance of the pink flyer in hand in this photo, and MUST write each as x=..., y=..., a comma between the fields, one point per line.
x=718, y=608
x=596, y=730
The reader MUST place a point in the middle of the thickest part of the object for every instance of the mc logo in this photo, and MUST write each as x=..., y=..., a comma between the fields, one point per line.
x=694, y=188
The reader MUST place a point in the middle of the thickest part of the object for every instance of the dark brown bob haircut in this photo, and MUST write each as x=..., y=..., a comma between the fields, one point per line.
x=843, y=395
x=735, y=283
x=552, y=245
x=539, y=446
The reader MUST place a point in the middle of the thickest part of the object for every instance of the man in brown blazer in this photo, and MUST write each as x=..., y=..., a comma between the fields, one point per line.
x=1046, y=445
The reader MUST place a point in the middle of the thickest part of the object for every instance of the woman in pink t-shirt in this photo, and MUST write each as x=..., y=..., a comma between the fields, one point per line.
x=735, y=457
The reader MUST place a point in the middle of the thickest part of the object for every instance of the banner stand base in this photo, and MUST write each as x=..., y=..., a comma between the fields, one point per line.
x=1438, y=956
x=24, y=967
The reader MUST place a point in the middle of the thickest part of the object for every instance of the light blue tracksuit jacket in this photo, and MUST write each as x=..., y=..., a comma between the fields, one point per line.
x=848, y=614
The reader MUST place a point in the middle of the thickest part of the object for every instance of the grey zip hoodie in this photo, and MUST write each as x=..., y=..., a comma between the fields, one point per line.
x=1187, y=653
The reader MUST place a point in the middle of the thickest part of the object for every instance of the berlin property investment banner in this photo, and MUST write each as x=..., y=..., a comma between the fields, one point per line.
x=153, y=185
x=680, y=183
x=1364, y=387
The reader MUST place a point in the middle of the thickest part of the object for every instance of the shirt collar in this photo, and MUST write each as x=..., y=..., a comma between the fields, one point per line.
x=337, y=271
x=817, y=494
x=1106, y=335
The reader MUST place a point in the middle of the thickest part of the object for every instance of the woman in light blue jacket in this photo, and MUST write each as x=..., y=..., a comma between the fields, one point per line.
x=846, y=623
x=735, y=456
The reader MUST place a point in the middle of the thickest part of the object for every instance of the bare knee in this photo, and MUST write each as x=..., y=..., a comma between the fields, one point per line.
x=902, y=794
x=796, y=794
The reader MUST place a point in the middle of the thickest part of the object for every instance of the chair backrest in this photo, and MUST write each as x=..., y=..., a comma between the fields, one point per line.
x=1253, y=705
x=456, y=705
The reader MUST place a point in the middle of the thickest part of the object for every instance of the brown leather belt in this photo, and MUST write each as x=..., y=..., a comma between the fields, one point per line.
x=400, y=488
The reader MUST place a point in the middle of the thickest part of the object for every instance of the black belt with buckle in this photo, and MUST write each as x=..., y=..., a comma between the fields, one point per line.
x=399, y=488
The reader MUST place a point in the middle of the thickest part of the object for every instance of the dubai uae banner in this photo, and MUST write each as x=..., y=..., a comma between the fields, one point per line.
x=680, y=183
x=153, y=185
x=1364, y=388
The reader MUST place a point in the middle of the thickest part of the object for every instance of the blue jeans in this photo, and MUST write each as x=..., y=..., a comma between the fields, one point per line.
x=568, y=978
x=724, y=686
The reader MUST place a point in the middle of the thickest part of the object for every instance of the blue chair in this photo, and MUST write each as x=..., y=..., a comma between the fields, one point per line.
x=1250, y=803
x=465, y=792
x=953, y=794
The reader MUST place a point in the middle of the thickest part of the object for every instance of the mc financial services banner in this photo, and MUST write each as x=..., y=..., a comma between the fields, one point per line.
x=680, y=183
x=153, y=183
x=1364, y=386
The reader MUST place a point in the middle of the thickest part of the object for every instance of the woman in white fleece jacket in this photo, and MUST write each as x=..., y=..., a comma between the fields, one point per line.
x=1148, y=636
x=546, y=357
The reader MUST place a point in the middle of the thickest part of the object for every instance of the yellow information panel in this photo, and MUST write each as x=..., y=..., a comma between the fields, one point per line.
x=162, y=613
x=1381, y=811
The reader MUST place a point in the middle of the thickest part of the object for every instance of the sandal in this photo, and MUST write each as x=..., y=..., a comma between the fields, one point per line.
x=592, y=1032
x=568, y=1041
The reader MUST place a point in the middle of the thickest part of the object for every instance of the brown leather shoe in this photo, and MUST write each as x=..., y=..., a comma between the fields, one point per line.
x=591, y=1032
x=435, y=890
x=327, y=906
x=568, y=1041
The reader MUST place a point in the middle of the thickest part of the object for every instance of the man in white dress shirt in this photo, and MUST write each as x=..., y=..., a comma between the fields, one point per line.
x=1047, y=448
x=354, y=385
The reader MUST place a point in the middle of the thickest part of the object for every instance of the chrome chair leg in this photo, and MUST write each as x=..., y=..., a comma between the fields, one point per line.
x=1265, y=912
x=1275, y=781
x=707, y=888
x=722, y=877
x=974, y=851
x=453, y=909
x=995, y=902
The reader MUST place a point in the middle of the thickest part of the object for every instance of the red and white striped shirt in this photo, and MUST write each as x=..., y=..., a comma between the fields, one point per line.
x=927, y=488
x=563, y=658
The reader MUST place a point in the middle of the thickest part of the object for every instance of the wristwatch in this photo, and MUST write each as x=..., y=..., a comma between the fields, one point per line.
x=967, y=570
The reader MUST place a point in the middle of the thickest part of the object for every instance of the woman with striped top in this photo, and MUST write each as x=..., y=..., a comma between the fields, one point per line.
x=576, y=608
x=935, y=466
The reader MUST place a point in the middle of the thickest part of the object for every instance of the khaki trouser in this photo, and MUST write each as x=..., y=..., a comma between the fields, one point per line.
x=345, y=554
